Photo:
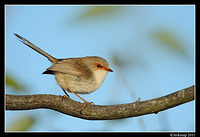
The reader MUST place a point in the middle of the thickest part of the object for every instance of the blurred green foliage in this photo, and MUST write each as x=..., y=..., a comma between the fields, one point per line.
x=168, y=39
x=10, y=81
x=94, y=11
x=22, y=124
x=15, y=84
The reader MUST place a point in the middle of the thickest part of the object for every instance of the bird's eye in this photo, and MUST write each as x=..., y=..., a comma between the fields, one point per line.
x=98, y=65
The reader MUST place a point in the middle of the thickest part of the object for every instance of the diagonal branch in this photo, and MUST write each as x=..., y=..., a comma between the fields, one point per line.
x=96, y=112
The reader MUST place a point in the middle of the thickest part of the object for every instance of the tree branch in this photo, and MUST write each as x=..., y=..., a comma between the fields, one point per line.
x=96, y=112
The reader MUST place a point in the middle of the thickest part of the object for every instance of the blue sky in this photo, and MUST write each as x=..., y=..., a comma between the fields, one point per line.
x=148, y=69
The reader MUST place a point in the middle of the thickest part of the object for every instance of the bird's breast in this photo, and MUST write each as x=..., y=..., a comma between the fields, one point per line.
x=100, y=76
x=77, y=84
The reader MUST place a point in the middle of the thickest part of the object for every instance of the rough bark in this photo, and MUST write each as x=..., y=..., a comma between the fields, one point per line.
x=96, y=112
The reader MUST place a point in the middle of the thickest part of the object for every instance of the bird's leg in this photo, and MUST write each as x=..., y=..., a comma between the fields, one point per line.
x=66, y=95
x=85, y=102
x=65, y=92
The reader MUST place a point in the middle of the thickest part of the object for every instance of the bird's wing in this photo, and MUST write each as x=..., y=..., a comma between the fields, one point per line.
x=72, y=67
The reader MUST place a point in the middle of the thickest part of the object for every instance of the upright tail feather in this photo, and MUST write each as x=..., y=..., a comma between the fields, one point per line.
x=31, y=45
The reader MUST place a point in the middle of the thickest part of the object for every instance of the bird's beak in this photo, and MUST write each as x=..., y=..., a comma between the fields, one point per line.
x=108, y=69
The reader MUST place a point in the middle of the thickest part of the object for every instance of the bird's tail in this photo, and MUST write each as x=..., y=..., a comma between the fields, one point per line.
x=31, y=45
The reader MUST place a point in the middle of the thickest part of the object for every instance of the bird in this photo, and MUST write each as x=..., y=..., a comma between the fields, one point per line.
x=81, y=75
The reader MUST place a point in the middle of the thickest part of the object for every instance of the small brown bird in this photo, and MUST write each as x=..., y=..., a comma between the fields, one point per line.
x=77, y=75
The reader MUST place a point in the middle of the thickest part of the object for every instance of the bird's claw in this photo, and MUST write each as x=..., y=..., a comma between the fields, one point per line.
x=84, y=105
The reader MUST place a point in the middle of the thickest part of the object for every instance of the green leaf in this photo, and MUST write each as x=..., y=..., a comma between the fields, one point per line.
x=13, y=83
x=22, y=124
x=98, y=11
x=168, y=39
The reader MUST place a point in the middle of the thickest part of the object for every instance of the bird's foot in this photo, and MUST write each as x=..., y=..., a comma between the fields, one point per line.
x=65, y=96
x=84, y=105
